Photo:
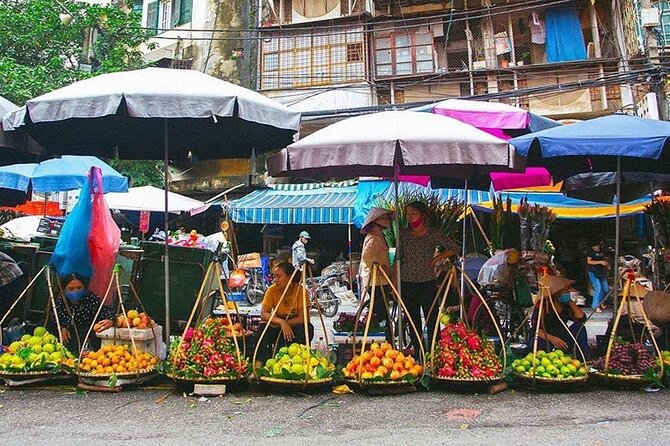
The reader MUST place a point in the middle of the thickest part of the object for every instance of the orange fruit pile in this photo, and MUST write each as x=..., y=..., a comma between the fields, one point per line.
x=134, y=319
x=117, y=359
x=382, y=362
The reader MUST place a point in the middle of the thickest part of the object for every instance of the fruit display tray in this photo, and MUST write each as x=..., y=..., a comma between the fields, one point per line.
x=367, y=383
x=122, y=379
x=288, y=385
x=466, y=380
x=550, y=382
x=621, y=380
x=185, y=380
x=22, y=378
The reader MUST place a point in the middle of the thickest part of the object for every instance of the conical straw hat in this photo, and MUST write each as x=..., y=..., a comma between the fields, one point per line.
x=657, y=306
x=373, y=215
x=556, y=284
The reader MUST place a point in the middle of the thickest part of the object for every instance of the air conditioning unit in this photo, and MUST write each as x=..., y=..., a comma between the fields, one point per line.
x=650, y=17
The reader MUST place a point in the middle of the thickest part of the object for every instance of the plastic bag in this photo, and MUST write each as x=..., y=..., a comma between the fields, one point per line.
x=71, y=254
x=103, y=239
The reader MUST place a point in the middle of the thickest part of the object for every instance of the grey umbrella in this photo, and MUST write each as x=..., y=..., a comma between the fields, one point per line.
x=156, y=113
x=16, y=148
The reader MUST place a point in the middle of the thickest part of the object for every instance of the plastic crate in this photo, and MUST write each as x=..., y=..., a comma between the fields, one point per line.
x=236, y=296
x=144, y=339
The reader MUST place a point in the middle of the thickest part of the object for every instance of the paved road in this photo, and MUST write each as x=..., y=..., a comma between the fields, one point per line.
x=160, y=415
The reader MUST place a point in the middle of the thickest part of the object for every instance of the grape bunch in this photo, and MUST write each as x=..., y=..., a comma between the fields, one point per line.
x=627, y=359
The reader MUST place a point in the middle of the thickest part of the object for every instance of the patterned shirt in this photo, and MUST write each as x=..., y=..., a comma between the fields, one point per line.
x=416, y=254
x=83, y=313
x=298, y=254
x=9, y=270
x=374, y=251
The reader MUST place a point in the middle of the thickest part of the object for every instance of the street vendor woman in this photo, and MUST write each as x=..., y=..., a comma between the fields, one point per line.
x=418, y=246
x=288, y=324
x=376, y=251
x=76, y=310
x=552, y=333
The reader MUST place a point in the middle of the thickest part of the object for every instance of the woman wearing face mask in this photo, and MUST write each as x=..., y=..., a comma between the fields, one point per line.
x=76, y=310
x=552, y=334
x=418, y=256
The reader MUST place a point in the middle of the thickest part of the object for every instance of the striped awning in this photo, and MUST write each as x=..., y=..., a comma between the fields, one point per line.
x=297, y=204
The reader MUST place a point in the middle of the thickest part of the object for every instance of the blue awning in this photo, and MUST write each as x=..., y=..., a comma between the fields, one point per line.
x=297, y=204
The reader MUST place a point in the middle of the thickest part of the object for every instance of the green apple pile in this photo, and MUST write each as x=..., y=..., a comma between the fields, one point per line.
x=297, y=361
x=555, y=364
x=37, y=352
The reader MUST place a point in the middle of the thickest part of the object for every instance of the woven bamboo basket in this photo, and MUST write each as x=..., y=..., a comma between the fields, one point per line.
x=122, y=379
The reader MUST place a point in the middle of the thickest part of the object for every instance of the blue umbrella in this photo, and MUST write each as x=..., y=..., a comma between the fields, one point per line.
x=60, y=174
x=601, y=145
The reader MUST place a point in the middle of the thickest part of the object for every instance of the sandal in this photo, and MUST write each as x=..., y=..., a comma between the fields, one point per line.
x=598, y=310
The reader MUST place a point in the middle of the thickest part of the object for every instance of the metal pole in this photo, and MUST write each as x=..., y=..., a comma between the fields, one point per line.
x=617, y=232
x=351, y=260
x=465, y=213
x=397, y=255
x=166, y=216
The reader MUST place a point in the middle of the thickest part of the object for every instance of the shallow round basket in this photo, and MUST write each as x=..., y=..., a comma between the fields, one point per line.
x=122, y=379
x=23, y=378
x=203, y=380
x=464, y=383
x=291, y=385
x=381, y=387
x=549, y=383
x=610, y=379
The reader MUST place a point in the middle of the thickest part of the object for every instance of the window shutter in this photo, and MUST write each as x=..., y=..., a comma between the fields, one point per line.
x=185, y=11
x=152, y=16
x=175, y=10
x=137, y=6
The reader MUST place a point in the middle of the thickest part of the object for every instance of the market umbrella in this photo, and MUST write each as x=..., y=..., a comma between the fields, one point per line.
x=149, y=198
x=503, y=121
x=601, y=145
x=156, y=113
x=393, y=143
x=60, y=174
x=16, y=148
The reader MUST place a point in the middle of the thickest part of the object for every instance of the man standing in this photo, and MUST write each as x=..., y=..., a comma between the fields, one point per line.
x=11, y=282
x=299, y=255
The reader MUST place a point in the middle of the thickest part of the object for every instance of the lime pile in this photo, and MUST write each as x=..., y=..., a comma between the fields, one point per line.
x=296, y=362
x=37, y=352
x=555, y=364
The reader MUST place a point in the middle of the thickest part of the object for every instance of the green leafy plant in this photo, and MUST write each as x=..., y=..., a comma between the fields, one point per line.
x=443, y=215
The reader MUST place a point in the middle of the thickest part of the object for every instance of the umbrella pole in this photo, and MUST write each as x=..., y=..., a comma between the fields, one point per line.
x=617, y=232
x=166, y=259
x=465, y=213
x=351, y=261
x=396, y=180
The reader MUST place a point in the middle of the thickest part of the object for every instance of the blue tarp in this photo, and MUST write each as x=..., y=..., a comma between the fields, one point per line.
x=565, y=41
x=297, y=204
x=60, y=174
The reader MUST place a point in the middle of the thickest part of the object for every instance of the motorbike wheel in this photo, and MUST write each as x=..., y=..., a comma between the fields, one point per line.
x=328, y=303
x=254, y=290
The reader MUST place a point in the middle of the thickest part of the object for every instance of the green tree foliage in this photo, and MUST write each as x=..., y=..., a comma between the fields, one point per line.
x=39, y=54
x=140, y=173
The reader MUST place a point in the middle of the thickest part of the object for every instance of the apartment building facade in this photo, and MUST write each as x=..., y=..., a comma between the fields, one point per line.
x=561, y=58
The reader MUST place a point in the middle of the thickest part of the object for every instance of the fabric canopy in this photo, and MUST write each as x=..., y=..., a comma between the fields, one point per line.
x=594, y=145
x=569, y=208
x=297, y=204
x=389, y=143
x=152, y=199
x=60, y=174
x=136, y=112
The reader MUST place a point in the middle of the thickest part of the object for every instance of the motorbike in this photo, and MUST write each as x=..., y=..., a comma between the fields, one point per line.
x=632, y=263
x=325, y=291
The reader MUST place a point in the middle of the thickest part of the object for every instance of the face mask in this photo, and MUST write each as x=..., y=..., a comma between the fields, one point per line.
x=565, y=298
x=417, y=223
x=75, y=296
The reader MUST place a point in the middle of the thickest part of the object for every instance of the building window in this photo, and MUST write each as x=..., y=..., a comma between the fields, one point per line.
x=664, y=29
x=409, y=51
x=317, y=58
x=152, y=16
x=166, y=15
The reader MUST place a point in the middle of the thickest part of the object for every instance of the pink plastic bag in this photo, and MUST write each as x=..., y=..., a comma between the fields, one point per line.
x=103, y=240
